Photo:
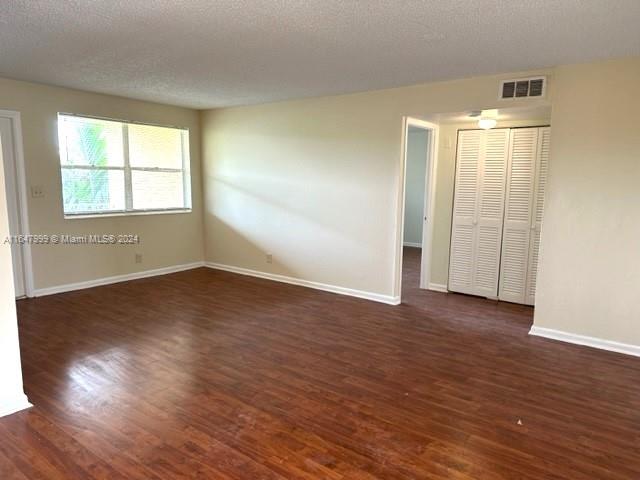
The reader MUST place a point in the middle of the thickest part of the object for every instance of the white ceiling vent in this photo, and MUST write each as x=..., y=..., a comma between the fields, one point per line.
x=523, y=88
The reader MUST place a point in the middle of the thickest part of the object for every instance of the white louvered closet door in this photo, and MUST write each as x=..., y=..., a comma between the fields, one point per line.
x=542, y=167
x=461, y=258
x=517, y=217
x=526, y=181
x=476, y=233
x=491, y=211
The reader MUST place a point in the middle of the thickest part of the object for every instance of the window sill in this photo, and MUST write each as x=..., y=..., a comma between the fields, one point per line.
x=126, y=214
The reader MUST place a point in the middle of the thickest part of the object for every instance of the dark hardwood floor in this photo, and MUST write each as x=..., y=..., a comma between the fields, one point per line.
x=206, y=374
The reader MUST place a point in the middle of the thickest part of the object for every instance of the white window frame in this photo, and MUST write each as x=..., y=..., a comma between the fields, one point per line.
x=127, y=169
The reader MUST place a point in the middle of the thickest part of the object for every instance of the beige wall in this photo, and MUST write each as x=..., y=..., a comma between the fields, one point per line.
x=166, y=240
x=445, y=181
x=315, y=182
x=589, y=275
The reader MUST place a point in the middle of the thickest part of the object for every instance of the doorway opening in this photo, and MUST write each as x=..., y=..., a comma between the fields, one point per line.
x=15, y=187
x=420, y=140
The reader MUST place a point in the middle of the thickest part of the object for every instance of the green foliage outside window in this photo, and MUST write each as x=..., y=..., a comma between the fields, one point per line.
x=88, y=189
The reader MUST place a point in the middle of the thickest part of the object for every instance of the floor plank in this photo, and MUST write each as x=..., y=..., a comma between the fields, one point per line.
x=207, y=374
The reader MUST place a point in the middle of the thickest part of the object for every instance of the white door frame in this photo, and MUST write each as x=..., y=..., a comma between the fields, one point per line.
x=429, y=204
x=21, y=189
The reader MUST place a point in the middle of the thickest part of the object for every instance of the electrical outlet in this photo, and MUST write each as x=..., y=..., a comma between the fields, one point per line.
x=138, y=258
x=37, y=191
x=269, y=258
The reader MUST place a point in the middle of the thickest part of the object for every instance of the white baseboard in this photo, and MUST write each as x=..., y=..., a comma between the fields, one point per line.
x=412, y=244
x=586, y=341
x=376, y=297
x=9, y=406
x=115, y=279
x=438, y=287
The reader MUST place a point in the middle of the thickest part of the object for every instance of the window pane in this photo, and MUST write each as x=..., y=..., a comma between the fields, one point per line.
x=157, y=189
x=87, y=141
x=151, y=146
x=86, y=190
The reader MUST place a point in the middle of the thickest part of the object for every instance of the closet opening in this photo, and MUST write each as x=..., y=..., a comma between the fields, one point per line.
x=484, y=182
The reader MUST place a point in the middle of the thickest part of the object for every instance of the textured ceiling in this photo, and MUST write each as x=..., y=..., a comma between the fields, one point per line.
x=212, y=53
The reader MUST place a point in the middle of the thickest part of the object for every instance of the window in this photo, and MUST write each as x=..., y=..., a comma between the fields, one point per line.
x=112, y=167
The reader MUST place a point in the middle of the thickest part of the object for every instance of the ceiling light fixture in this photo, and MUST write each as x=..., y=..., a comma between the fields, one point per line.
x=487, y=123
